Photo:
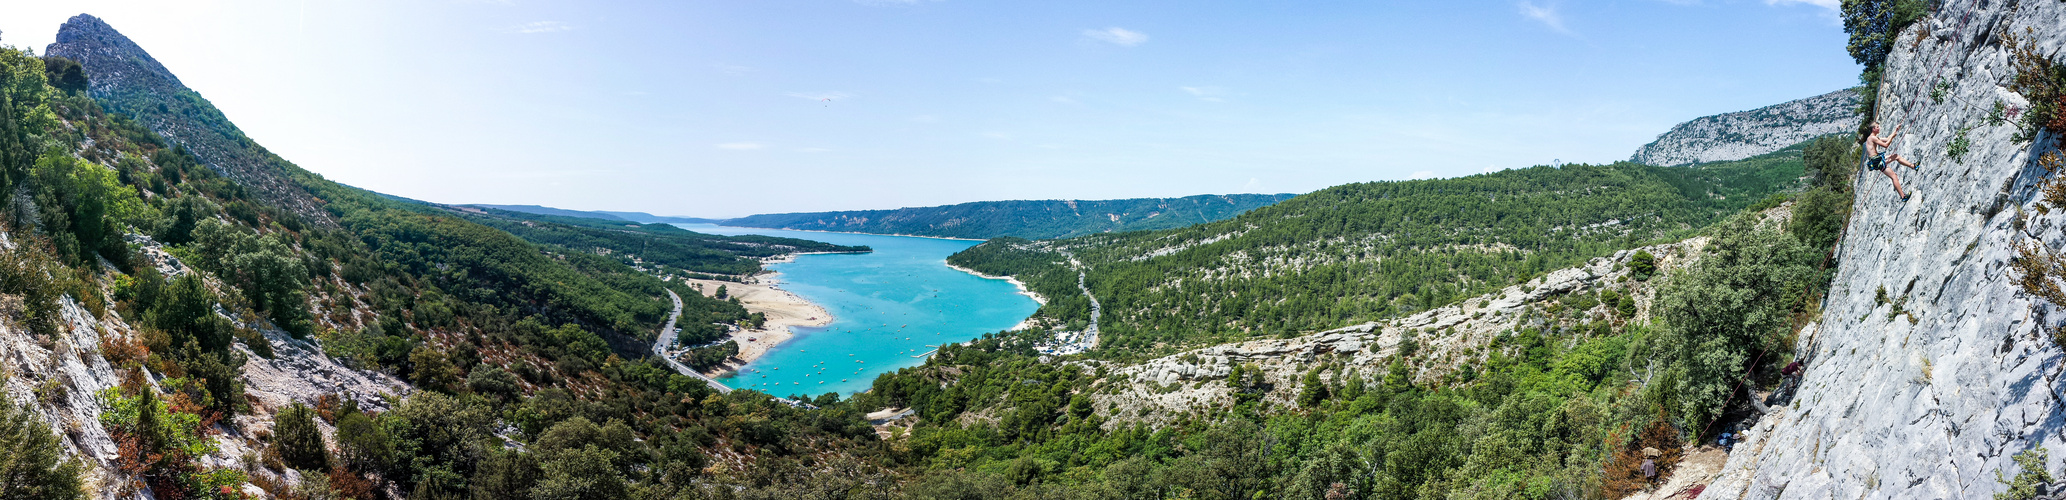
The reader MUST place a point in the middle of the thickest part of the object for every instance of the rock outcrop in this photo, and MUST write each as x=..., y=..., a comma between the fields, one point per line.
x=1928, y=392
x=1743, y=134
x=125, y=77
x=1445, y=338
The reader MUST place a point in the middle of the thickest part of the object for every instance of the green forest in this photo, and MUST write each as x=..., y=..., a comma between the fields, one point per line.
x=1548, y=415
x=669, y=250
x=1360, y=252
x=1035, y=219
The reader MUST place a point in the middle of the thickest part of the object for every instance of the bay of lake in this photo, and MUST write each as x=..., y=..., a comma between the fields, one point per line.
x=887, y=306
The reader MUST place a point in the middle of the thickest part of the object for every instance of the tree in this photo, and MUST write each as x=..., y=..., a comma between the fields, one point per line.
x=299, y=443
x=64, y=74
x=1736, y=301
x=1873, y=24
x=362, y=445
x=1642, y=264
x=579, y=474
x=430, y=370
x=493, y=381
x=33, y=465
x=1311, y=391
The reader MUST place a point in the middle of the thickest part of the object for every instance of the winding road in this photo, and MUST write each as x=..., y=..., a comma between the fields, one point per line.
x=666, y=338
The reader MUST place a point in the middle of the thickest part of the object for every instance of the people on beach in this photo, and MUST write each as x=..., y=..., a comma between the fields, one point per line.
x=1876, y=156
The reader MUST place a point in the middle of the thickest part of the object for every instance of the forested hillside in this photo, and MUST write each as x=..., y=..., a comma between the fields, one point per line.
x=667, y=250
x=1365, y=251
x=1033, y=219
x=192, y=310
x=1557, y=400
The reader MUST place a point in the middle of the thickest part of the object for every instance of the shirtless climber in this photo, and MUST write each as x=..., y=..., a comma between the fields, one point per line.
x=1876, y=156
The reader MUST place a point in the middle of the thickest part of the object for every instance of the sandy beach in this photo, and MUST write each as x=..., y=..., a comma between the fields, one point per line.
x=1028, y=322
x=1014, y=282
x=783, y=309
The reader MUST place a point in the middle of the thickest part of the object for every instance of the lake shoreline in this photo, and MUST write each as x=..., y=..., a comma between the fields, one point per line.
x=784, y=310
x=1023, y=290
x=893, y=306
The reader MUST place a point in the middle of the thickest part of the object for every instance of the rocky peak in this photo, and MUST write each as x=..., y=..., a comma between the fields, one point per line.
x=97, y=46
x=126, y=79
x=1743, y=134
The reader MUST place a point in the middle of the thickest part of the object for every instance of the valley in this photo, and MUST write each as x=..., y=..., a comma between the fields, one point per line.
x=1746, y=309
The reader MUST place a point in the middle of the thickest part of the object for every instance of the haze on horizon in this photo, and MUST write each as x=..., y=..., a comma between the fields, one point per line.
x=720, y=109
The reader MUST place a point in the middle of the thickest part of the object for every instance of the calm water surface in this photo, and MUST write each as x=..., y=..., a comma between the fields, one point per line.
x=887, y=306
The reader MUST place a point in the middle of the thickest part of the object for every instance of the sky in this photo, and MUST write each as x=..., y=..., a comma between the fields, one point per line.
x=727, y=108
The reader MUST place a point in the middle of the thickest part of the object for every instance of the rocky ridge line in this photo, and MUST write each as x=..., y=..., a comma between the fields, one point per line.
x=1743, y=134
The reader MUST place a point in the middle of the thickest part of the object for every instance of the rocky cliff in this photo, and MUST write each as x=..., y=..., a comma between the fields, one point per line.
x=1931, y=367
x=1743, y=134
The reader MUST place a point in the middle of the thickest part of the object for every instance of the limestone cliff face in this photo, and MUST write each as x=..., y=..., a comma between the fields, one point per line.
x=1743, y=134
x=1930, y=402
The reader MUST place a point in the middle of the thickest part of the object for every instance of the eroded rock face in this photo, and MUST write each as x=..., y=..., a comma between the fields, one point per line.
x=1447, y=337
x=1743, y=134
x=60, y=378
x=1929, y=403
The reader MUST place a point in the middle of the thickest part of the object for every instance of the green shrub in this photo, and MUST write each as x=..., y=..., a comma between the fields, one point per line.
x=33, y=464
x=2031, y=476
x=1960, y=145
x=298, y=441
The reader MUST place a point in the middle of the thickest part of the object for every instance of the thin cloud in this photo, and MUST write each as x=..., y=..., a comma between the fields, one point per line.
x=820, y=96
x=1545, y=14
x=1117, y=36
x=741, y=146
x=538, y=27
x=1207, y=94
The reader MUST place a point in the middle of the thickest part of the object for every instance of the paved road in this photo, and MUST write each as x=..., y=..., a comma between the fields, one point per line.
x=667, y=339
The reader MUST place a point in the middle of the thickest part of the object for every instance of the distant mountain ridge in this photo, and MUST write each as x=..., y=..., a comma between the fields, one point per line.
x=1031, y=219
x=1743, y=134
x=639, y=217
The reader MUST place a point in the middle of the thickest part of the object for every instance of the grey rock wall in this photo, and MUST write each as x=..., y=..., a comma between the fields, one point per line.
x=1743, y=134
x=1931, y=403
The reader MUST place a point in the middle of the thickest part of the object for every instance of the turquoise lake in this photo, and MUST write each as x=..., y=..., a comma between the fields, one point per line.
x=887, y=307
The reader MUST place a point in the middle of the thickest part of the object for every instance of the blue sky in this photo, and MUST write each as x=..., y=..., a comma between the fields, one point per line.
x=728, y=108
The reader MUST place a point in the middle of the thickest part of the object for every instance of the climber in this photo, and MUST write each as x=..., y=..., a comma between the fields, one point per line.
x=1876, y=156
